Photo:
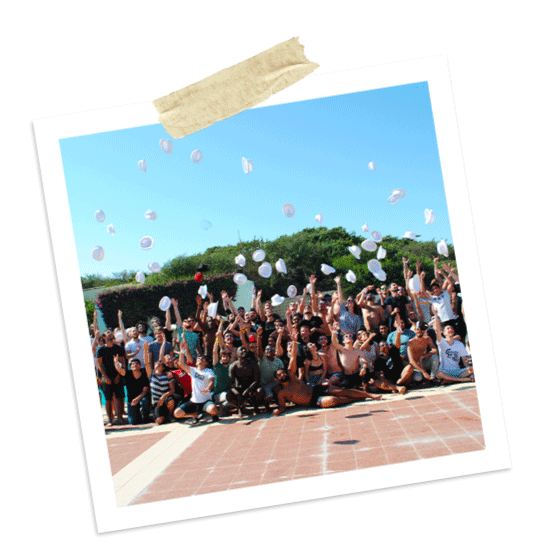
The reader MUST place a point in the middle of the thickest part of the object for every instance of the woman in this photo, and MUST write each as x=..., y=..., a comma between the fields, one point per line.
x=315, y=367
x=348, y=320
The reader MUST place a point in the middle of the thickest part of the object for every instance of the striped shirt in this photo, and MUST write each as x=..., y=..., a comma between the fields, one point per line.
x=159, y=385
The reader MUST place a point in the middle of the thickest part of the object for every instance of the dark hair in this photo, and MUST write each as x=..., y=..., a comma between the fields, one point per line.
x=135, y=360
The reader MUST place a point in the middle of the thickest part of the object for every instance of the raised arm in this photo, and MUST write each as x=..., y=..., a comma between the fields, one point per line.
x=259, y=307
x=313, y=297
x=168, y=319
x=339, y=290
x=121, y=327
x=146, y=357
x=437, y=326
x=174, y=303
x=334, y=339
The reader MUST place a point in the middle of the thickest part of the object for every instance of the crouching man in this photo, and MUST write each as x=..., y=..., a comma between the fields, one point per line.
x=203, y=380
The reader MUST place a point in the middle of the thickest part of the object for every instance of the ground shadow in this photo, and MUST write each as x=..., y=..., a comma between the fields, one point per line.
x=348, y=442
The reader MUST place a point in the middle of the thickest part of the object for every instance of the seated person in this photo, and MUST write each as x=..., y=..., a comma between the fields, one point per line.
x=315, y=366
x=291, y=389
x=451, y=352
x=245, y=383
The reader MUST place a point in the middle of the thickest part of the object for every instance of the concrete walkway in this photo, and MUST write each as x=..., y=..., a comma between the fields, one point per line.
x=154, y=463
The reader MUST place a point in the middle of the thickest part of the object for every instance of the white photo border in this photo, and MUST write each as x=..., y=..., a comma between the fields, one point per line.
x=108, y=516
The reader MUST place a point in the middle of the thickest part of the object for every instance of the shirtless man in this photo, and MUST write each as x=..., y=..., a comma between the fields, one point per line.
x=349, y=357
x=293, y=390
x=373, y=314
x=422, y=353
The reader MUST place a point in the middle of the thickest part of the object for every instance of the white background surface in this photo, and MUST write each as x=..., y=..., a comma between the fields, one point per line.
x=63, y=58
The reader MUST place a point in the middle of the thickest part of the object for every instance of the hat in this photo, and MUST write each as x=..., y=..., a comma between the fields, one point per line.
x=430, y=217
x=372, y=165
x=265, y=270
x=146, y=242
x=203, y=267
x=368, y=245
x=276, y=300
x=355, y=251
x=327, y=269
x=166, y=146
x=99, y=215
x=119, y=335
x=239, y=279
x=374, y=266
x=421, y=325
x=319, y=218
x=196, y=156
x=203, y=291
x=350, y=276
x=393, y=199
x=98, y=253
x=381, y=275
x=400, y=192
x=142, y=165
x=288, y=210
x=240, y=260
x=251, y=338
x=281, y=266
x=165, y=303
x=376, y=236
x=442, y=248
x=414, y=283
x=198, y=277
x=154, y=267
x=140, y=277
x=292, y=291
x=258, y=255
x=151, y=215
x=110, y=229
x=382, y=252
x=212, y=310
x=365, y=227
x=247, y=165
x=409, y=235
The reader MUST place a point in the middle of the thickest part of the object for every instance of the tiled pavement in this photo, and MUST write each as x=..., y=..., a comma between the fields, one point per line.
x=179, y=460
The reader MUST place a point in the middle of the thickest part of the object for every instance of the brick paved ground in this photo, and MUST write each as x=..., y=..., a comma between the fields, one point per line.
x=301, y=443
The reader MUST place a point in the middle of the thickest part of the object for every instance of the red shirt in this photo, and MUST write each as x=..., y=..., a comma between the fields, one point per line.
x=184, y=379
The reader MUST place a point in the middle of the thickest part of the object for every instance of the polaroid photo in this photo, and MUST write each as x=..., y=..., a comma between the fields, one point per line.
x=363, y=150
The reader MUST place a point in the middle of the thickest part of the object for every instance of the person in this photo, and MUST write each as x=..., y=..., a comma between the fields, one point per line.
x=329, y=353
x=369, y=352
x=187, y=330
x=245, y=383
x=397, y=303
x=451, y=351
x=112, y=384
x=134, y=348
x=422, y=353
x=373, y=313
x=155, y=347
x=349, y=358
x=348, y=320
x=405, y=336
x=221, y=359
x=292, y=389
x=315, y=366
x=203, y=381
x=389, y=367
x=269, y=363
x=138, y=391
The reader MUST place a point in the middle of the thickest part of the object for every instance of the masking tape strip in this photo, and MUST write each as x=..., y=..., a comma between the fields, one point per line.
x=233, y=89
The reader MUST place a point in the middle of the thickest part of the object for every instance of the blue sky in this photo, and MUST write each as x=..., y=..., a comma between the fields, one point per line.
x=313, y=154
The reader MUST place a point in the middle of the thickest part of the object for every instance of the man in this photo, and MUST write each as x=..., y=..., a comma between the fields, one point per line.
x=349, y=358
x=221, y=359
x=397, y=303
x=112, y=384
x=451, y=352
x=373, y=314
x=389, y=366
x=269, y=364
x=203, y=380
x=245, y=383
x=294, y=390
x=422, y=353
x=134, y=348
x=155, y=347
x=138, y=391
x=405, y=336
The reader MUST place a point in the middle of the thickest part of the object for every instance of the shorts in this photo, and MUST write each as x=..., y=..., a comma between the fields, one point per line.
x=269, y=389
x=116, y=389
x=353, y=380
x=195, y=407
x=318, y=392
x=455, y=372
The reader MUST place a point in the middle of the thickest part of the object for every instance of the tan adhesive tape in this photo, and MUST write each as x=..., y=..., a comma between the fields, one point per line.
x=233, y=89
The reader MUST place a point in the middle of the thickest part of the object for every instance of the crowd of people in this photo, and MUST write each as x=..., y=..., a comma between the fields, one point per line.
x=326, y=351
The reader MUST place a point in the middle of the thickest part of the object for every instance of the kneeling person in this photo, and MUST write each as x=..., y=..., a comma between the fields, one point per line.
x=203, y=380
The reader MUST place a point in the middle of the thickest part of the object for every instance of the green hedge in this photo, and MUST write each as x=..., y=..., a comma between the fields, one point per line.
x=140, y=303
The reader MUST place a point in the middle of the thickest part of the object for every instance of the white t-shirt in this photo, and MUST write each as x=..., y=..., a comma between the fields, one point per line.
x=443, y=306
x=450, y=354
x=132, y=347
x=201, y=380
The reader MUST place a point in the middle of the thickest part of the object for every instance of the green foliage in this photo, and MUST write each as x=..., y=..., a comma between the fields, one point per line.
x=303, y=253
x=141, y=302
x=89, y=306
x=97, y=281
